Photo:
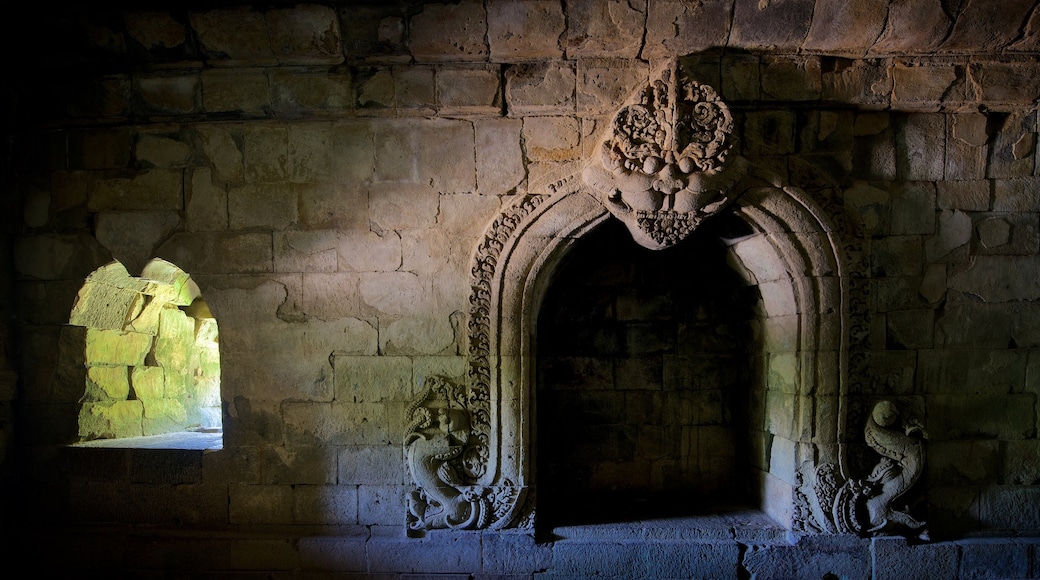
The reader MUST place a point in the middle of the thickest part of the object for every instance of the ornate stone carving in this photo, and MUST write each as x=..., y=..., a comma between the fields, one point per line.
x=865, y=506
x=662, y=166
x=483, y=272
x=445, y=460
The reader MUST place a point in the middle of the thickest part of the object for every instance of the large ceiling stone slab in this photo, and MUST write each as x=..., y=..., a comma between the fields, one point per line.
x=773, y=25
x=847, y=27
x=675, y=27
x=984, y=25
x=913, y=26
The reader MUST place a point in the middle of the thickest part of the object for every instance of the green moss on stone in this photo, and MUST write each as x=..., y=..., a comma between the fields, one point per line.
x=149, y=383
x=113, y=347
x=110, y=421
x=107, y=383
x=176, y=339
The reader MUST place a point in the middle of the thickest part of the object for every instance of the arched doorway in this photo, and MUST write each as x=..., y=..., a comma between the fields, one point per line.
x=664, y=169
x=790, y=254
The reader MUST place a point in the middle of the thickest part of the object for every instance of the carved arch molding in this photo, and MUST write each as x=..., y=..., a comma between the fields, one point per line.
x=662, y=167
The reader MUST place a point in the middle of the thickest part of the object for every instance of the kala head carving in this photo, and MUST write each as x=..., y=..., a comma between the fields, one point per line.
x=662, y=166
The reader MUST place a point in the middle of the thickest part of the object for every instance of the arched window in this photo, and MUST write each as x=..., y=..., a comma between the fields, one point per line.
x=152, y=359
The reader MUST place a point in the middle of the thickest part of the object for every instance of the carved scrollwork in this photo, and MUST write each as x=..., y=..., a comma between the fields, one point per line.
x=444, y=458
x=663, y=164
x=486, y=263
x=865, y=505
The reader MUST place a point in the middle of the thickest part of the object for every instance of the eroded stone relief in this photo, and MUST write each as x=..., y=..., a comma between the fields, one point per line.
x=663, y=165
x=866, y=505
x=446, y=457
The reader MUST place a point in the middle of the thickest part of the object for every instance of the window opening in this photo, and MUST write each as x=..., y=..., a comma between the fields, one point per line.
x=151, y=360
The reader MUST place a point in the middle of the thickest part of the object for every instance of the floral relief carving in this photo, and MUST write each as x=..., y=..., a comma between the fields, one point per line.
x=663, y=165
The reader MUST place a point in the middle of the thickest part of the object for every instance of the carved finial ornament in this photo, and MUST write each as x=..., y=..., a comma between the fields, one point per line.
x=662, y=165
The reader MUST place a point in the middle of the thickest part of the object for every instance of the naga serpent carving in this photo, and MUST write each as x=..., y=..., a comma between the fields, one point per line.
x=865, y=506
x=445, y=464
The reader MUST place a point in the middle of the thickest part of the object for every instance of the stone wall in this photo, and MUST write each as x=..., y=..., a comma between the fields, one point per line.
x=325, y=173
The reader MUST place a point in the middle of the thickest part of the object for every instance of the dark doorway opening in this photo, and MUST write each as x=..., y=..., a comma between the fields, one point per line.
x=644, y=371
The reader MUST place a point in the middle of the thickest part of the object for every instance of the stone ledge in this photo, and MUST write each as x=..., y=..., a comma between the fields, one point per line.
x=301, y=550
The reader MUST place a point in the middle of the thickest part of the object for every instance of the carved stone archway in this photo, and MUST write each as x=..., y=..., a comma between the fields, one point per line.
x=473, y=463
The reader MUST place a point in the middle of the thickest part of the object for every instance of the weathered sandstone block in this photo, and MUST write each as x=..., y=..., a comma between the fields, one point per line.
x=790, y=79
x=326, y=504
x=219, y=253
x=415, y=90
x=99, y=149
x=206, y=204
x=867, y=83
x=1007, y=85
x=603, y=85
x=845, y=28
x=149, y=382
x=966, y=147
x=1011, y=148
x=132, y=236
x=913, y=26
x=265, y=152
x=162, y=150
x=924, y=86
x=968, y=324
x=450, y=32
x=296, y=91
x=244, y=91
x=612, y=28
x=473, y=90
x=105, y=421
x=155, y=29
x=540, y=88
x=260, y=504
x=168, y=94
x=499, y=163
x=305, y=34
x=233, y=36
x=114, y=347
x=417, y=335
x=310, y=152
x=1000, y=278
x=298, y=464
x=373, y=90
x=521, y=30
x=775, y=25
x=551, y=138
x=674, y=27
x=271, y=206
x=986, y=26
x=107, y=383
x=154, y=189
x=222, y=146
